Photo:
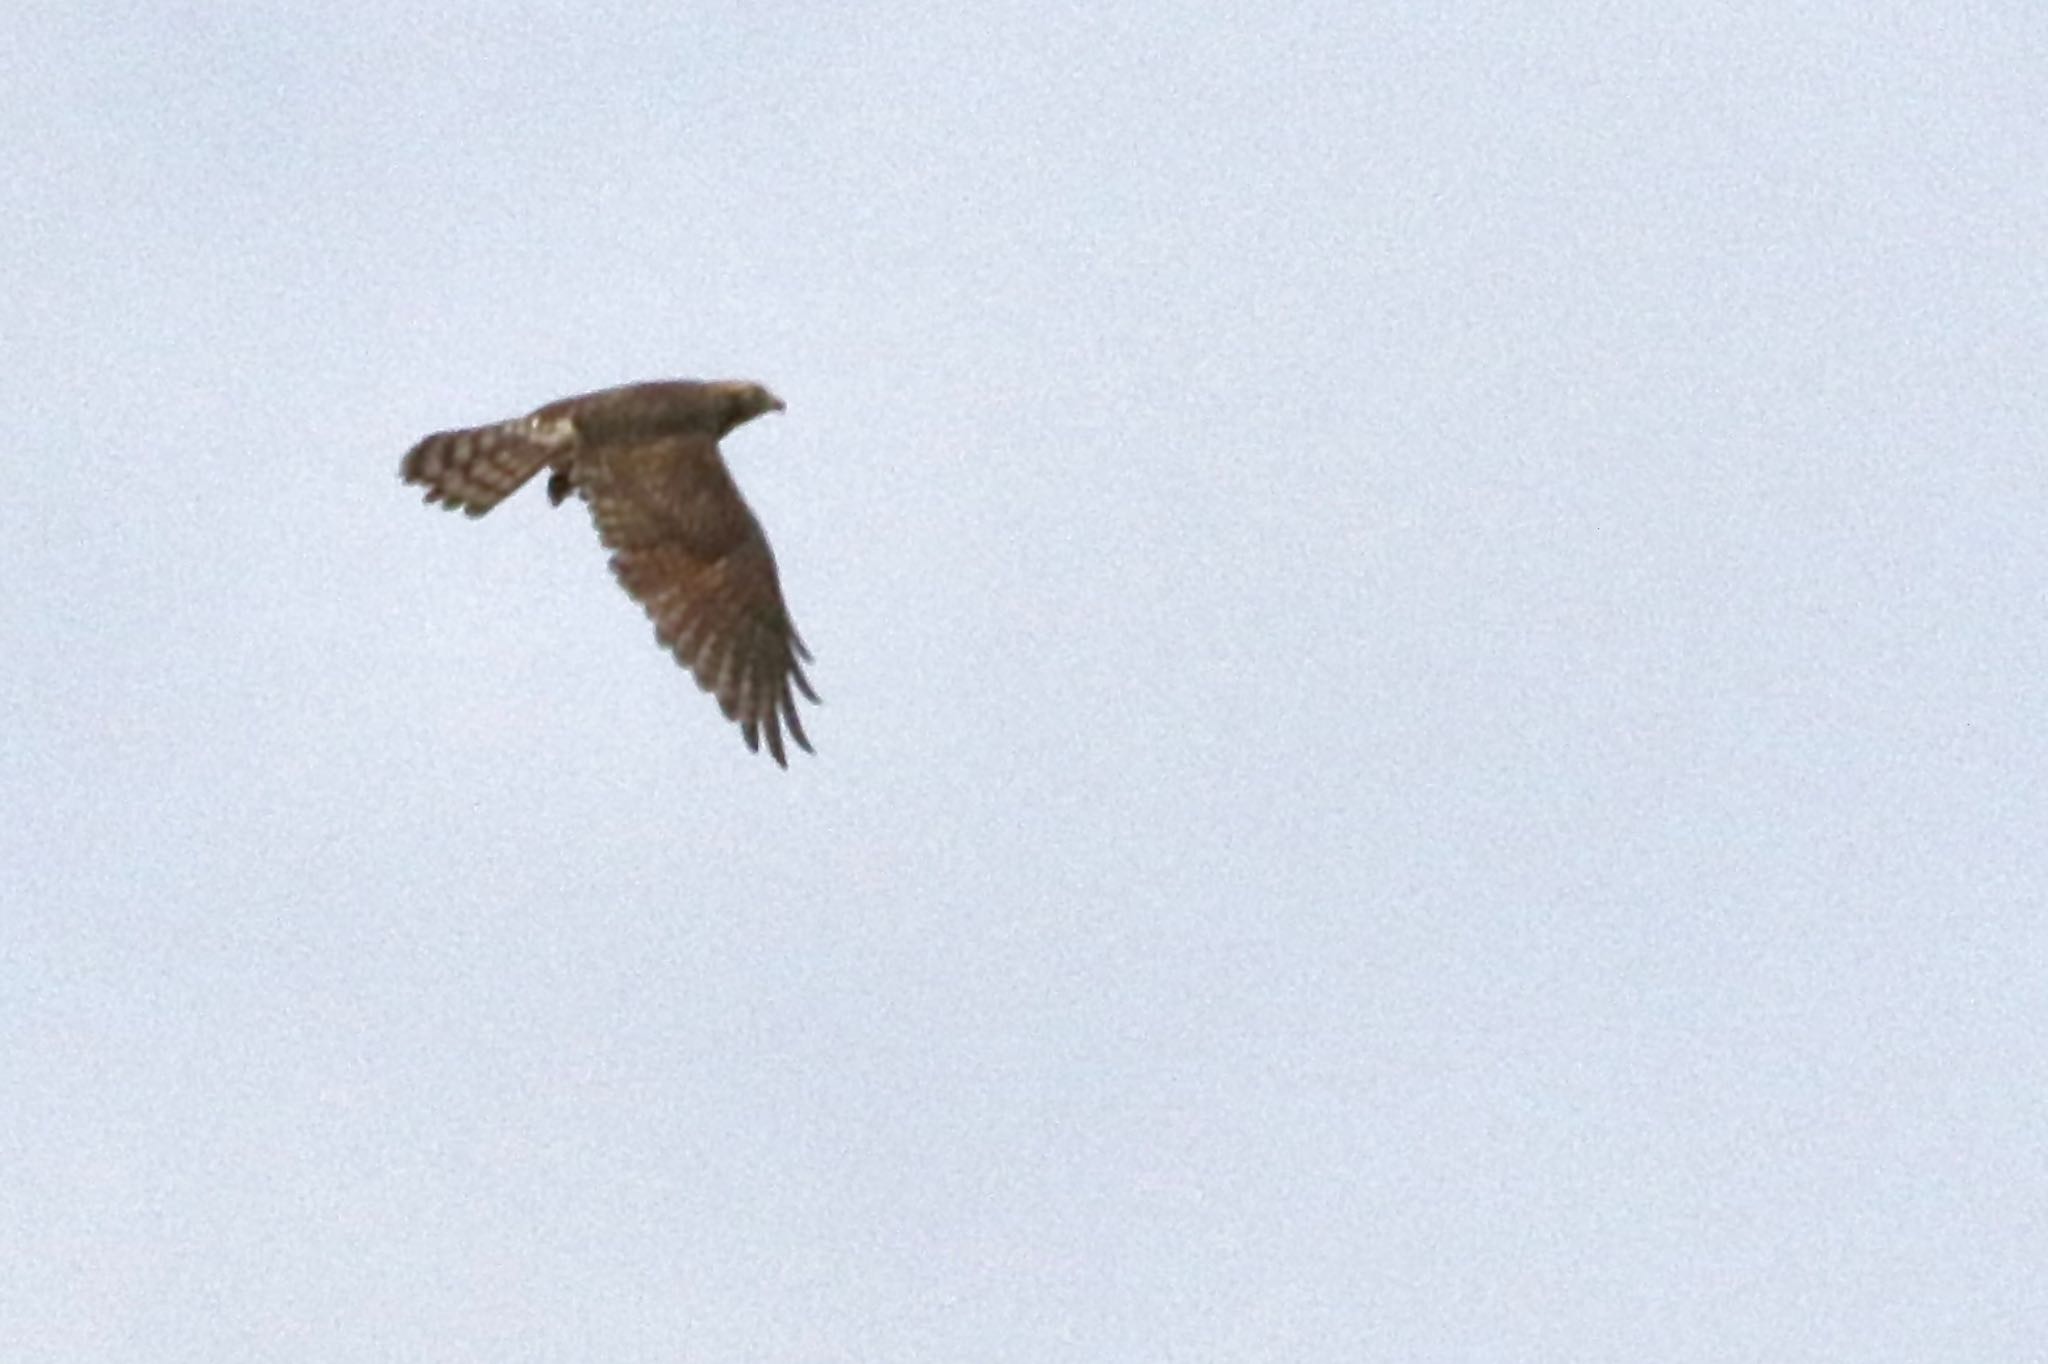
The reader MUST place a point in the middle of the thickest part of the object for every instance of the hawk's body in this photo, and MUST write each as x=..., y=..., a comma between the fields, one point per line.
x=684, y=545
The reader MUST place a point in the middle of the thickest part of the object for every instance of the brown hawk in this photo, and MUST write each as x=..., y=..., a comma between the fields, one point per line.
x=684, y=544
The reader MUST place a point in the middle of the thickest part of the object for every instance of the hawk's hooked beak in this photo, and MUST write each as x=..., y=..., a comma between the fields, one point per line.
x=775, y=404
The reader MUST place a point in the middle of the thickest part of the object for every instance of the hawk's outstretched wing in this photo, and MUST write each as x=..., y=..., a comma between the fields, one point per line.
x=686, y=547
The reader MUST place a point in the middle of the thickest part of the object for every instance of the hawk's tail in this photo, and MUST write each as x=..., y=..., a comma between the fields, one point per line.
x=476, y=468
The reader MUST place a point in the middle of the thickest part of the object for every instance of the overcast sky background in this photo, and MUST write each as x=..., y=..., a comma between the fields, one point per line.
x=1432, y=636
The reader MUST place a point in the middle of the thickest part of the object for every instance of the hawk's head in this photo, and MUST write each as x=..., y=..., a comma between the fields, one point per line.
x=743, y=401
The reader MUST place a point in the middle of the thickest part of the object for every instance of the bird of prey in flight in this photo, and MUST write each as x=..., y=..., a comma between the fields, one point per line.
x=683, y=542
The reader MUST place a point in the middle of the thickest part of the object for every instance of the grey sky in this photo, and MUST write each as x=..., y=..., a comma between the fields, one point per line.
x=1432, y=634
